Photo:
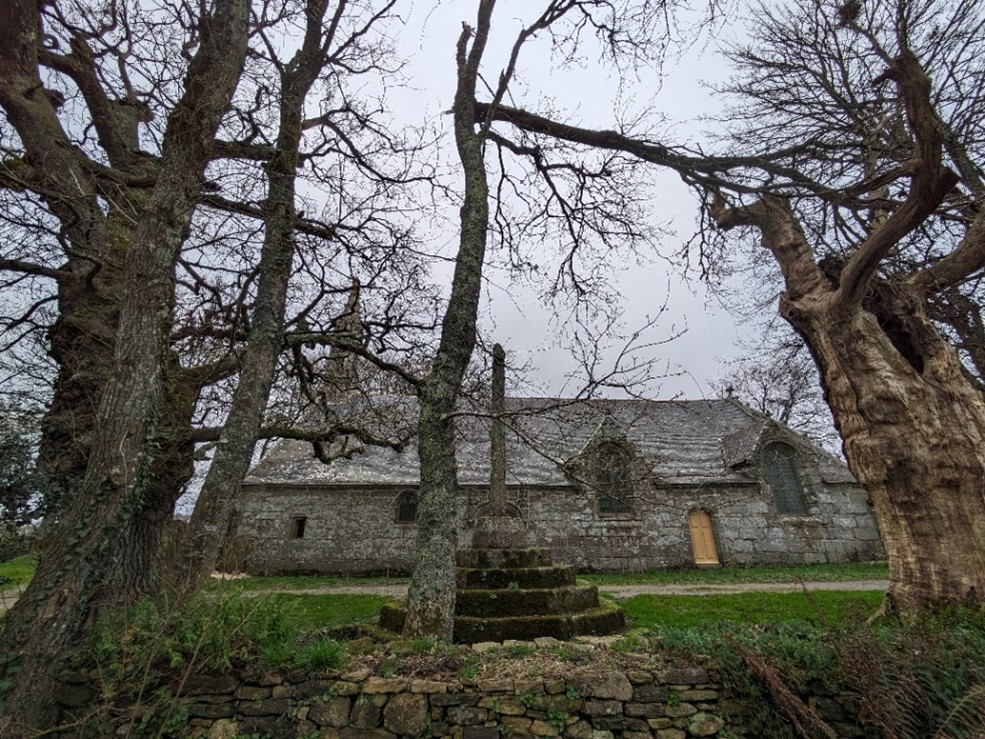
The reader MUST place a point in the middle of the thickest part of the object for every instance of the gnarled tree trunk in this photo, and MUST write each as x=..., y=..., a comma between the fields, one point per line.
x=914, y=436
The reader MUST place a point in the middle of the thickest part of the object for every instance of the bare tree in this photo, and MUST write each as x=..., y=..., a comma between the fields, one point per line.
x=778, y=378
x=581, y=203
x=857, y=161
x=162, y=308
x=74, y=567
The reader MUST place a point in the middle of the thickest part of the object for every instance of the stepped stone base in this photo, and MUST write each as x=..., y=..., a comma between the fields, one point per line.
x=509, y=593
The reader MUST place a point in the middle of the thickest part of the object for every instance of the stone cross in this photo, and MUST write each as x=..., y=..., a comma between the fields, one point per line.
x=497, y=436
x=499, y=524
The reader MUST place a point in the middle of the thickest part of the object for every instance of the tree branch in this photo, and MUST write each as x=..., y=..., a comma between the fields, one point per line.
x=930, y=183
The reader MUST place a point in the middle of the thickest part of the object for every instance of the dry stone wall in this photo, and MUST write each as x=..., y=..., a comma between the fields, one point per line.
x=640, y=704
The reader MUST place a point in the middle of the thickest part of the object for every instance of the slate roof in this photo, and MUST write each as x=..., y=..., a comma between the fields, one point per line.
x=682, y=442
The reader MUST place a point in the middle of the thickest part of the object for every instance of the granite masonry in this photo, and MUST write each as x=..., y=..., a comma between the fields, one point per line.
x=667, y=703
x=604, y=485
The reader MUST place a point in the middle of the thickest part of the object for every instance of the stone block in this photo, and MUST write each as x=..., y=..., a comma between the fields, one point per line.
x=211, y=710
x=361, y=734
x=685, y=676
x=553, y=687
x=495, y=686
x=454, y=699
x=480, y=732
x=516, y=724
x=268, y=726
x=282, y=691
x=659, y=723
x=520, y=687
x=384, y=685
x=210, y=684
x=602, y=708
x=333, y=713
x=267, y=707
x=645, y=710
x=367, y=712
x=704, y=724
x=252, y=692
x=552, y=703
x=681, y=710
x=543, y=728
x=224, y=728
x=406, y=714
x=650, y=693
x=698, y=695
x=578, y=730
x=612, y=685
x=466, y=715
x=315, y=689
x=428, y=686
x=671, y=734
x=509, y=705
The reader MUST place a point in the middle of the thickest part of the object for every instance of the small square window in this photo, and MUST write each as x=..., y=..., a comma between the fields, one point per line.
x=297, y=526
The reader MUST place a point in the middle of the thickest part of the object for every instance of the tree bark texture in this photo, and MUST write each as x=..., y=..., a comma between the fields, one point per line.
x=90, y=283
x=431, y=601
x=215, y=507
x=911, y=419
x=914, y=436
x=51, y=615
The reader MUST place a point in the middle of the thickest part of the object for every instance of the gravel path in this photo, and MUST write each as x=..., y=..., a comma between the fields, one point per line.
x=628, y=591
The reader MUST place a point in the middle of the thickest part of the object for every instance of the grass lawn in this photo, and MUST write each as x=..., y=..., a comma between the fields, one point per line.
x=305, y=582
x=306, y=613
x=773, y=574
x=758, y=573
x=824, y=608
x=17, y=572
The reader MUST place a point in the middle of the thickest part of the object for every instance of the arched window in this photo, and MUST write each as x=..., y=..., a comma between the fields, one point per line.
x=780, y=471
x=407, y=507
x=612, y=478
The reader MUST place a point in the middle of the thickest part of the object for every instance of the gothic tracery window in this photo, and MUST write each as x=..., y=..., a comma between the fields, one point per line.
x=780, y=471
x=612, y=478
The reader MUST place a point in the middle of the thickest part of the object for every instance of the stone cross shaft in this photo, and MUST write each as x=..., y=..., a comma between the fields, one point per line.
x=497, y=434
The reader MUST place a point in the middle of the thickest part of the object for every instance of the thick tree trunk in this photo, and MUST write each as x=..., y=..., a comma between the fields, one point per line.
x=52, y=614
x=81, y=343
x=913, y=426
x=90, y=286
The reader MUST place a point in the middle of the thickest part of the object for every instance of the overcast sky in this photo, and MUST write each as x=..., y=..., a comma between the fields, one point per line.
x=590, y=95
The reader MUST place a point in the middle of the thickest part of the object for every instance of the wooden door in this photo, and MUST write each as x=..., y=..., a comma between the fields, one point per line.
x=703, y=539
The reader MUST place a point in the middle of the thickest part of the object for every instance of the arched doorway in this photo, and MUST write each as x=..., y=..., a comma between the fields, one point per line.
x=703, y=539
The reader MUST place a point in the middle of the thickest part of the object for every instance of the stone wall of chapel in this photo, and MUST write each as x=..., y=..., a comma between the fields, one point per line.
x=354, y=530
